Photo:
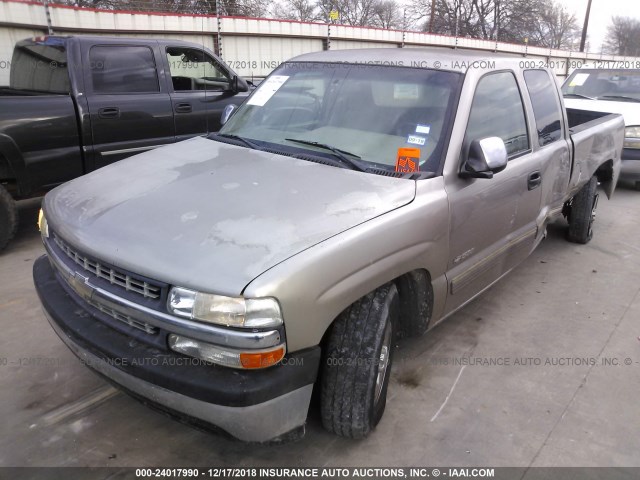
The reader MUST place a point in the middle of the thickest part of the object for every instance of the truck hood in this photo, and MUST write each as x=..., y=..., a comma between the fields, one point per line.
x=211, y=216
x=629, y=110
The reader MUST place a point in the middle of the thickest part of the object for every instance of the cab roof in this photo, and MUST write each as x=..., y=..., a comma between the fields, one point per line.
x=441, y=58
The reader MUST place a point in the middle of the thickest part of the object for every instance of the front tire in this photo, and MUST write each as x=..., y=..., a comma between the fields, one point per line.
x=8, y=217
x=357, y=364
x=583, y=213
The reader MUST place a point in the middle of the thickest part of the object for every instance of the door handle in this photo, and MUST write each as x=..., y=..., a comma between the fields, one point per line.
x=183, y=108
x=535, y=179
x=109, y=112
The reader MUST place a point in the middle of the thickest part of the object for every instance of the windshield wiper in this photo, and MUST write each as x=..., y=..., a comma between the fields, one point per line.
x=578, y=95
x=621, y=97
x=341, y=154
x=247, y=143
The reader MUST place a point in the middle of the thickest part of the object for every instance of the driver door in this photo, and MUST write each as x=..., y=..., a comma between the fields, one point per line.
x=200, y=88
x=493, y=221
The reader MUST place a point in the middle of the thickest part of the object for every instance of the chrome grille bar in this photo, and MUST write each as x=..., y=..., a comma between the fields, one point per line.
x=113, y=276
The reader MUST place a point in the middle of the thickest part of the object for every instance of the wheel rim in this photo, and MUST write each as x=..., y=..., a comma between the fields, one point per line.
x=383, y=363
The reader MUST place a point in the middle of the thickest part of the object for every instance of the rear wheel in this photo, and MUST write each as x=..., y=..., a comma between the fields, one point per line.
x=357, y=364
x=583, y=213
x=8, y=217
x=637, y=185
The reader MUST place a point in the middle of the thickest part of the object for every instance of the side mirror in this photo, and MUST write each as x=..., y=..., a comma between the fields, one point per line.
x=239, y=84
x=227, y=112
x=486, y=157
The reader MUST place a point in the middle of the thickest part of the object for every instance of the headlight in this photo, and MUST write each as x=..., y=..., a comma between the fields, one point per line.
x=43, y=226
x=632, y=137
x=221, y=310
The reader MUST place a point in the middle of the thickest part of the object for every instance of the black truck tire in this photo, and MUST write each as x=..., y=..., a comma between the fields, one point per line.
x=583, y=213
x=416, y=304
x=8, y=218
x=357, y=364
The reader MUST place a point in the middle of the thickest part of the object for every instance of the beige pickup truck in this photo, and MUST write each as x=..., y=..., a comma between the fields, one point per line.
x=355, y=196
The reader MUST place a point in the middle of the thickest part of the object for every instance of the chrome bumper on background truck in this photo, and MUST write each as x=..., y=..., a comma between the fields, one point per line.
x=630, y=168
x=251, y=405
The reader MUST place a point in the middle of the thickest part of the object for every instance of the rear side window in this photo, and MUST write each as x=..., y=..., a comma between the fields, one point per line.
x=546, y=107
x=497, y=111
x=123, y=69
x=40, y=66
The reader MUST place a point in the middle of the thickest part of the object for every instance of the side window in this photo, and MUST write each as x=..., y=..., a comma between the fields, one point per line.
x=123, y=69
x=193, y=69
x=546, y=107
x=35, y=66
x=497, y=111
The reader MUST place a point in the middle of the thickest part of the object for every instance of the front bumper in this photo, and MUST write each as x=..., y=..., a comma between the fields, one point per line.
x=630, y=169
x=253, y=406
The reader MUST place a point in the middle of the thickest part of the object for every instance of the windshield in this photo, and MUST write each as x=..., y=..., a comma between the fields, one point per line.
x=367, y=113
x=613, y=85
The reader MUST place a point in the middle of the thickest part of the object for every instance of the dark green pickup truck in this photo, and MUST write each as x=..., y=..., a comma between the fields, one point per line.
x=75, y=104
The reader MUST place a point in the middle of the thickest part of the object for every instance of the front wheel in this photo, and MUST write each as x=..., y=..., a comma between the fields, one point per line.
x=583, y=213
x=357, y=364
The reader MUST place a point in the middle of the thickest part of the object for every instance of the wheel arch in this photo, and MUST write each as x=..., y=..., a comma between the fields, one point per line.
x=415, y=290
x=12, y=166
x=606, y=175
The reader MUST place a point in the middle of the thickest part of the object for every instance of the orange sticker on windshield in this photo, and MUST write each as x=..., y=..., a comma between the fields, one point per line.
x=408, y=160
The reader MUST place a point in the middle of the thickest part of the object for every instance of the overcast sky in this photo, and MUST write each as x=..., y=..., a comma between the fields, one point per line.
x=601, y=13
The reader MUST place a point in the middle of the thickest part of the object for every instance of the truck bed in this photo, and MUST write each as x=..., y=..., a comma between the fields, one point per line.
x=597, y=137
x=39, y=135
x=14, y=92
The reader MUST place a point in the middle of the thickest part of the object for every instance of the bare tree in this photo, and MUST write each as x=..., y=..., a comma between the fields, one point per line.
x=245, y=8
x=352, y=12
x=242, y=8
x=623, y=37
x=387, y=14
x=543, y=23
x=301, y=10
x=466, y=18
x=556, y=27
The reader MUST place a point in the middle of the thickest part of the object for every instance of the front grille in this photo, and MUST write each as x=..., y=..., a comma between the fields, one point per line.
x=112, y=275
x=145, y=327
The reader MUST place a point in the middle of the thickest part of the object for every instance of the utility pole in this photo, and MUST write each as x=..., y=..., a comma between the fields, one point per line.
x=404, y=26
x=48, y=17
x=218, y=41
x=585, y=26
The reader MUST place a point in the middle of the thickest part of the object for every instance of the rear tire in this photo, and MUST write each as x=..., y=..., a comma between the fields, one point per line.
x=357, y=364
x=8, y=217
x=637, y=185
x=583, y=213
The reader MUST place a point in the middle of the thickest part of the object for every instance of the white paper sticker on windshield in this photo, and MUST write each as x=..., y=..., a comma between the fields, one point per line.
x=266, y=90
x=579, y=80
x=423, y=129
x=406, y=91
x=416, y=140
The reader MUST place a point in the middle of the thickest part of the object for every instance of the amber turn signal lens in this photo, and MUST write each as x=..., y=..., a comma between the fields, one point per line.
x=261, y=360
